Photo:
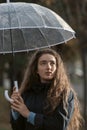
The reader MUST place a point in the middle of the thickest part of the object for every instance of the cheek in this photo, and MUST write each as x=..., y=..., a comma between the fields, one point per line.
x=39, y=70
x=55, y=70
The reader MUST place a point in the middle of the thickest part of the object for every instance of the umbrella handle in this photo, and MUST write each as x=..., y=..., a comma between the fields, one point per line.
x=7, y=96
x=6, y=92
x=8, y=1
x=16, y=85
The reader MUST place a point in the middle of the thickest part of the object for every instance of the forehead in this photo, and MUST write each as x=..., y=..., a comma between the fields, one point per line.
x=47, y=57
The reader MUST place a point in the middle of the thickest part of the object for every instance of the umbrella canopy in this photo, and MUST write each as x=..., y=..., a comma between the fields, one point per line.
x=28, y=26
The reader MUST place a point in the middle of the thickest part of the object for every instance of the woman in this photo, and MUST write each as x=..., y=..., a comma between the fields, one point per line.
x=45, y=100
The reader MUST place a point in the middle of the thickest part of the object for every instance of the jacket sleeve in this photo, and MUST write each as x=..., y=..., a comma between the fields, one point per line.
x=59, y=120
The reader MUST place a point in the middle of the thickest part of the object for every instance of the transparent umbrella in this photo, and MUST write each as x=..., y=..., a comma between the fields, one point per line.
x=27, y=26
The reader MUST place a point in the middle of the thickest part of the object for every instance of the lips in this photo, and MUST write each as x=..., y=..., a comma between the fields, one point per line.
x=48, y=73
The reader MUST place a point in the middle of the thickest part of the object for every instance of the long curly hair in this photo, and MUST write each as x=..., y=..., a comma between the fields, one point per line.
x=60, y=85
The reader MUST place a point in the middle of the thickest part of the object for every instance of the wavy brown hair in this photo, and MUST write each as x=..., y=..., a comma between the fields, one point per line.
x=60, y=85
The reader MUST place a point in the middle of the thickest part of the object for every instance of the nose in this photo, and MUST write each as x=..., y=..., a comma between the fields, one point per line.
x=48, y=65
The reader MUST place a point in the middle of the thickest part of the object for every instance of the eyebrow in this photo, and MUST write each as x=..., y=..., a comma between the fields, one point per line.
x=48, y=61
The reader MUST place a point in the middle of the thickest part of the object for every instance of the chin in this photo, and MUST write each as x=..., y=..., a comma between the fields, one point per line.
x=48, y=79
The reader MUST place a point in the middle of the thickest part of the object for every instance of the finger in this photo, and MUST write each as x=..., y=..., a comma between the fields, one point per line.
x=14, y=89
x=21, y=99
x=16, y=104
x=15, y=108
x=17, y=101
x=14, y=96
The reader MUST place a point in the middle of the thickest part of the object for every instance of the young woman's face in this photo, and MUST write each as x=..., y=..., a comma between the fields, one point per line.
x=46, y=67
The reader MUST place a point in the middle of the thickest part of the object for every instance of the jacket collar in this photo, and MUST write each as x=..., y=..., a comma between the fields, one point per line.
x=40, y=87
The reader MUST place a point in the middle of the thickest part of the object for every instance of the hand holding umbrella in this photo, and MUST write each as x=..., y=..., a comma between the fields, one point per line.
x=19, y=106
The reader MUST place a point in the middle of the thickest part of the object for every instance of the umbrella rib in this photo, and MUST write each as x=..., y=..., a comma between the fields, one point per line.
x=20, y=27
x=25, y=41
x=23, y=34
x=17, y=17
x=39, y=15
x=44, y=23
x=44, y=37
x=40, y=29
x=31, y=19
x=10, y=32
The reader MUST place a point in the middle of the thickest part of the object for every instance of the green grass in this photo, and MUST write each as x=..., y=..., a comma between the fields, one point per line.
x=4, y=112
